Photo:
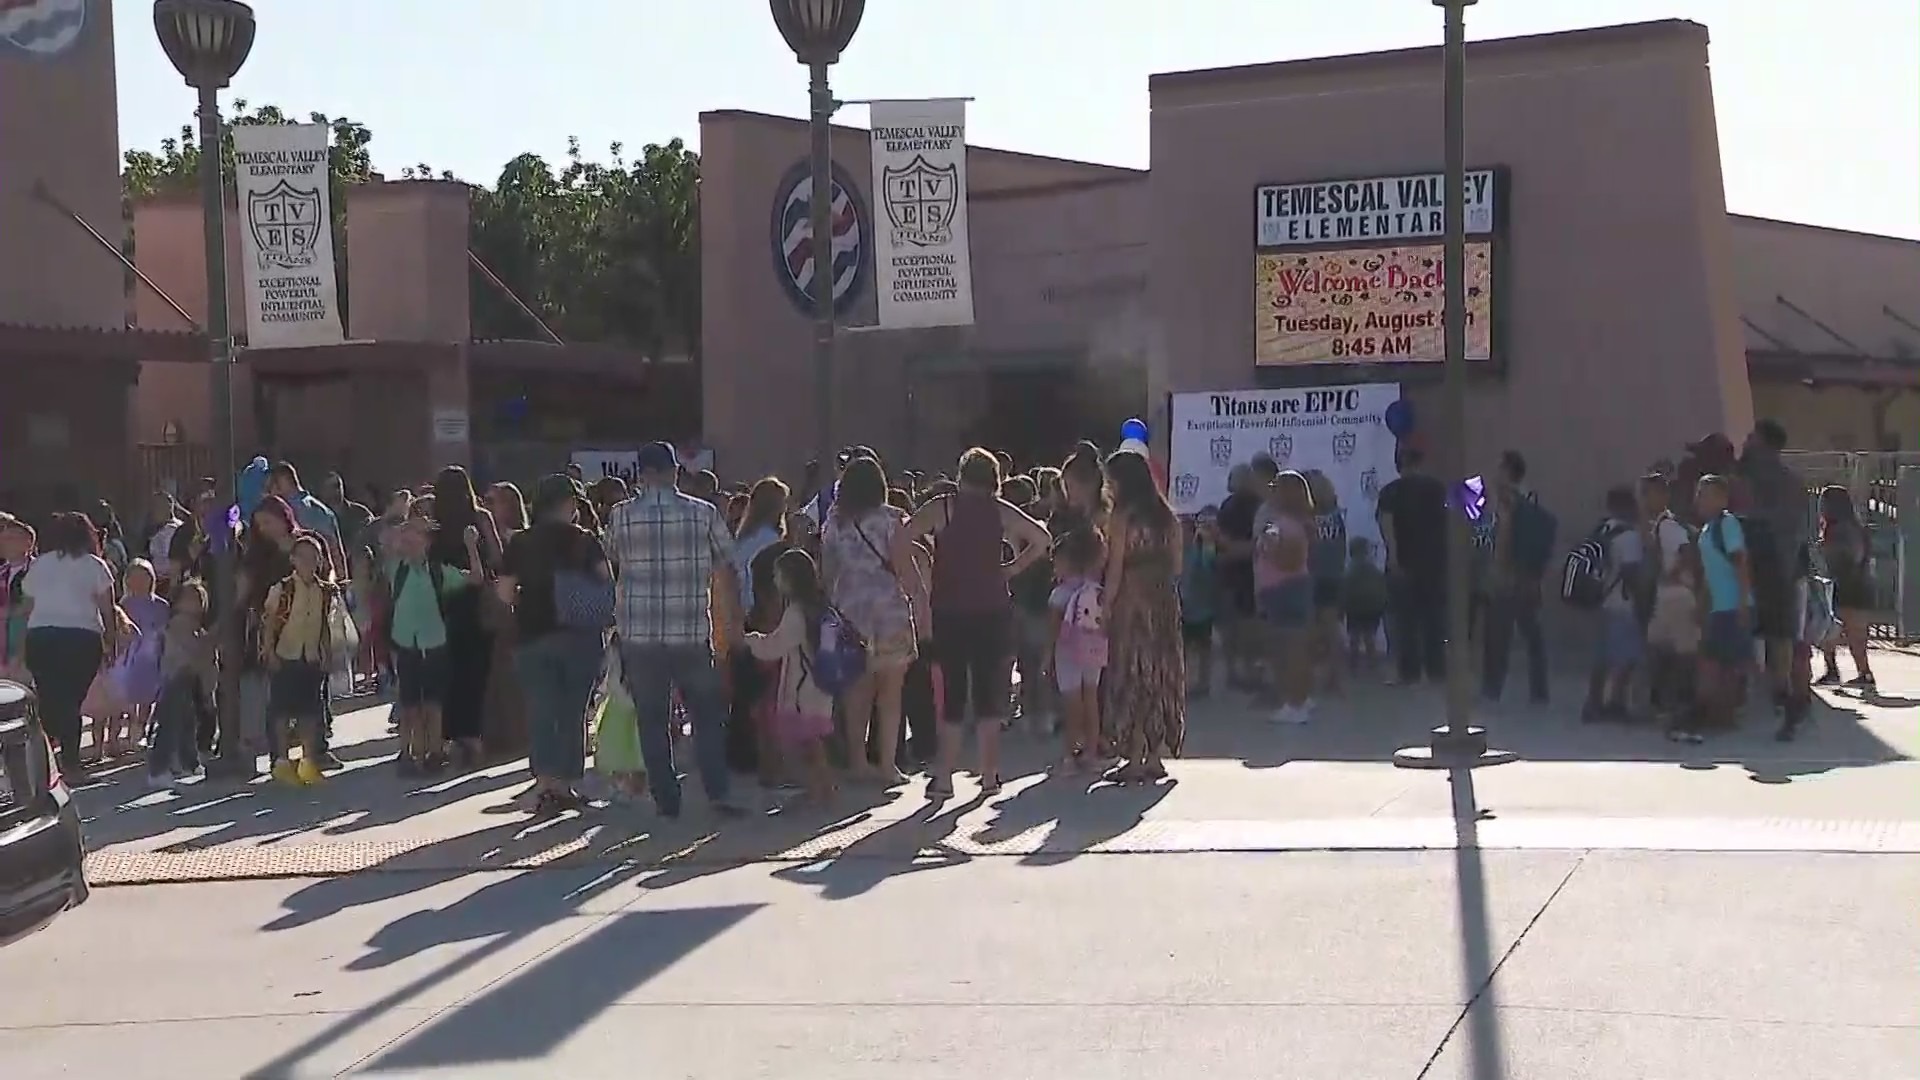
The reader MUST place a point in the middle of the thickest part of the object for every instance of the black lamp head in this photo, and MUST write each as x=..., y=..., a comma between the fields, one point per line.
x=207, y=40
x=818, y=30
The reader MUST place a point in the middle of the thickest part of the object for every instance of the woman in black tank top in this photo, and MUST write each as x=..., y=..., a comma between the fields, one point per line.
x=973, y=609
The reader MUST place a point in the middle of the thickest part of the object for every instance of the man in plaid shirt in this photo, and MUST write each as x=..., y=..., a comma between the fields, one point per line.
x=671, y=555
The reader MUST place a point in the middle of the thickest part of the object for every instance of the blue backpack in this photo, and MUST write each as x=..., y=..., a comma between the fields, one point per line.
x=842, y=656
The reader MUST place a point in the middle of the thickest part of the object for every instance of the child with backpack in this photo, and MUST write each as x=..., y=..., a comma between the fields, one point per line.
x=417, y=637
x=1199, y=593
x=296, y=644
x=1079, y=643
x=810, y=645
x=756, y=681
x=1524, y=535
x=1622, y=644
x=813, y=648
x=1726, y=640
x=1363, y=602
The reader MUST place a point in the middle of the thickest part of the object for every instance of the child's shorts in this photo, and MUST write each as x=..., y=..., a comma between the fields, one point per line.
x=1071, y=675
x=299, y=691
x=1622, y=642
x=1727, y=640
x=421, y=675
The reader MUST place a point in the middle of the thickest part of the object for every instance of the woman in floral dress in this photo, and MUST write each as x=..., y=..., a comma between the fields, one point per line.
x=872, y=581
x=1144, y=689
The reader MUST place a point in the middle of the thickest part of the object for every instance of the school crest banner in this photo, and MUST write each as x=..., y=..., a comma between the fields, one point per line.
x=286, y=235
x=1338, y=430
x=922, y=263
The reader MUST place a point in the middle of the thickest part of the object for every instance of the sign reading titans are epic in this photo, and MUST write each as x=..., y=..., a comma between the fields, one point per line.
x=1384, y=209
x=1337, y=430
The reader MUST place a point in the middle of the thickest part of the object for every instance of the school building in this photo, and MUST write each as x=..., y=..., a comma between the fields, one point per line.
x=1619, y=310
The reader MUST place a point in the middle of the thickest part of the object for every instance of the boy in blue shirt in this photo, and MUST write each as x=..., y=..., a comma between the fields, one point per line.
x=1726, y=643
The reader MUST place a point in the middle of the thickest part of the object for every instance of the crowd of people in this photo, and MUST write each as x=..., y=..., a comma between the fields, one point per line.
x=863, y=626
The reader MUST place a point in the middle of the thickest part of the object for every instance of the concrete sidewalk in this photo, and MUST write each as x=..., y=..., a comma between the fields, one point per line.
x=1466, y=965
x=1850, y=784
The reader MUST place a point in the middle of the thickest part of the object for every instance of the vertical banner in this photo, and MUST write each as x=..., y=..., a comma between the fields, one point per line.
x=919, y=151
x=1337, y=430
x=286, y=235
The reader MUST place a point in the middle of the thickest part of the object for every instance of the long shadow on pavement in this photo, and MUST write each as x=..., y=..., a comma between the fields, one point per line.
x=1477, y=965
x=912, y=844
x=495, y=918
x=529, y=1014
x=122, y=810
x=1082, y=811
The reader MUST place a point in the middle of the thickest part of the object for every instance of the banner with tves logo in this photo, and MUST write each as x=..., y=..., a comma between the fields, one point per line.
x=286, y=235
x=922, y=266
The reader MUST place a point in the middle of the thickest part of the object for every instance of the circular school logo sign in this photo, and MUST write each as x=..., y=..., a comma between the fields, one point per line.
x=44, y=28
x=793, y=247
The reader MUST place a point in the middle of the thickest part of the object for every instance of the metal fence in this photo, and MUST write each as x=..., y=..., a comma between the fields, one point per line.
x=1882, y=484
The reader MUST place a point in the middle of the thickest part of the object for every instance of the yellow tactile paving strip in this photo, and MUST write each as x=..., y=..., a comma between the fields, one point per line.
x=614, y=843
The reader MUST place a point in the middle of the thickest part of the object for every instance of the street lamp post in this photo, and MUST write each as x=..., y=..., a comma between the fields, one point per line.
x=1456, y=743
x=818, y=31
x=208, y=40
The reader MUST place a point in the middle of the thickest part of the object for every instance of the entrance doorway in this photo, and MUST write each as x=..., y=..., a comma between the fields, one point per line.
x=1037, y=413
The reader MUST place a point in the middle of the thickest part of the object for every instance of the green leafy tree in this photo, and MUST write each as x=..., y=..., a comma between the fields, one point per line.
x=599, y=251
x=175, y=169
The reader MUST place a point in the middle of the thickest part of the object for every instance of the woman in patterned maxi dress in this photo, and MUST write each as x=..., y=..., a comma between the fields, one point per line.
x=1144, y=688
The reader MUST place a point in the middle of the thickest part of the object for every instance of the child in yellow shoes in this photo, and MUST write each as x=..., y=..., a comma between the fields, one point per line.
x=296, y=646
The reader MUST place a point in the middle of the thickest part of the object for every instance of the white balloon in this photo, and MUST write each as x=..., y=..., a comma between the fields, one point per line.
x=1134, y=446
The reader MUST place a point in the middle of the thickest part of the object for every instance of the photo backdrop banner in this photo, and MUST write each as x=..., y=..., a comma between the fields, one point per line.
x=1339, y=430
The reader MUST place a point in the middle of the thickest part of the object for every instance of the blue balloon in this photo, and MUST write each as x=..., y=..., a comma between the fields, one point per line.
x=1135, y=428
x=1400, y=418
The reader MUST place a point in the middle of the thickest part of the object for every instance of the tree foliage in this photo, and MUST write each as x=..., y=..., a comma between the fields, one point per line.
x=176, y=167
x=600, y=251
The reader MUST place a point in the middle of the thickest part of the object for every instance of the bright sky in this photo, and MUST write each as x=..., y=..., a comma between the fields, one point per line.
x=1818, y=103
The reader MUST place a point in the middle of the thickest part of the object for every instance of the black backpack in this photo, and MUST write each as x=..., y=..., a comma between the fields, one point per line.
x=1589, y=575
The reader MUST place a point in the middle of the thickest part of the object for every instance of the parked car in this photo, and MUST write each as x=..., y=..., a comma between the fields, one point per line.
x=42, y=856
